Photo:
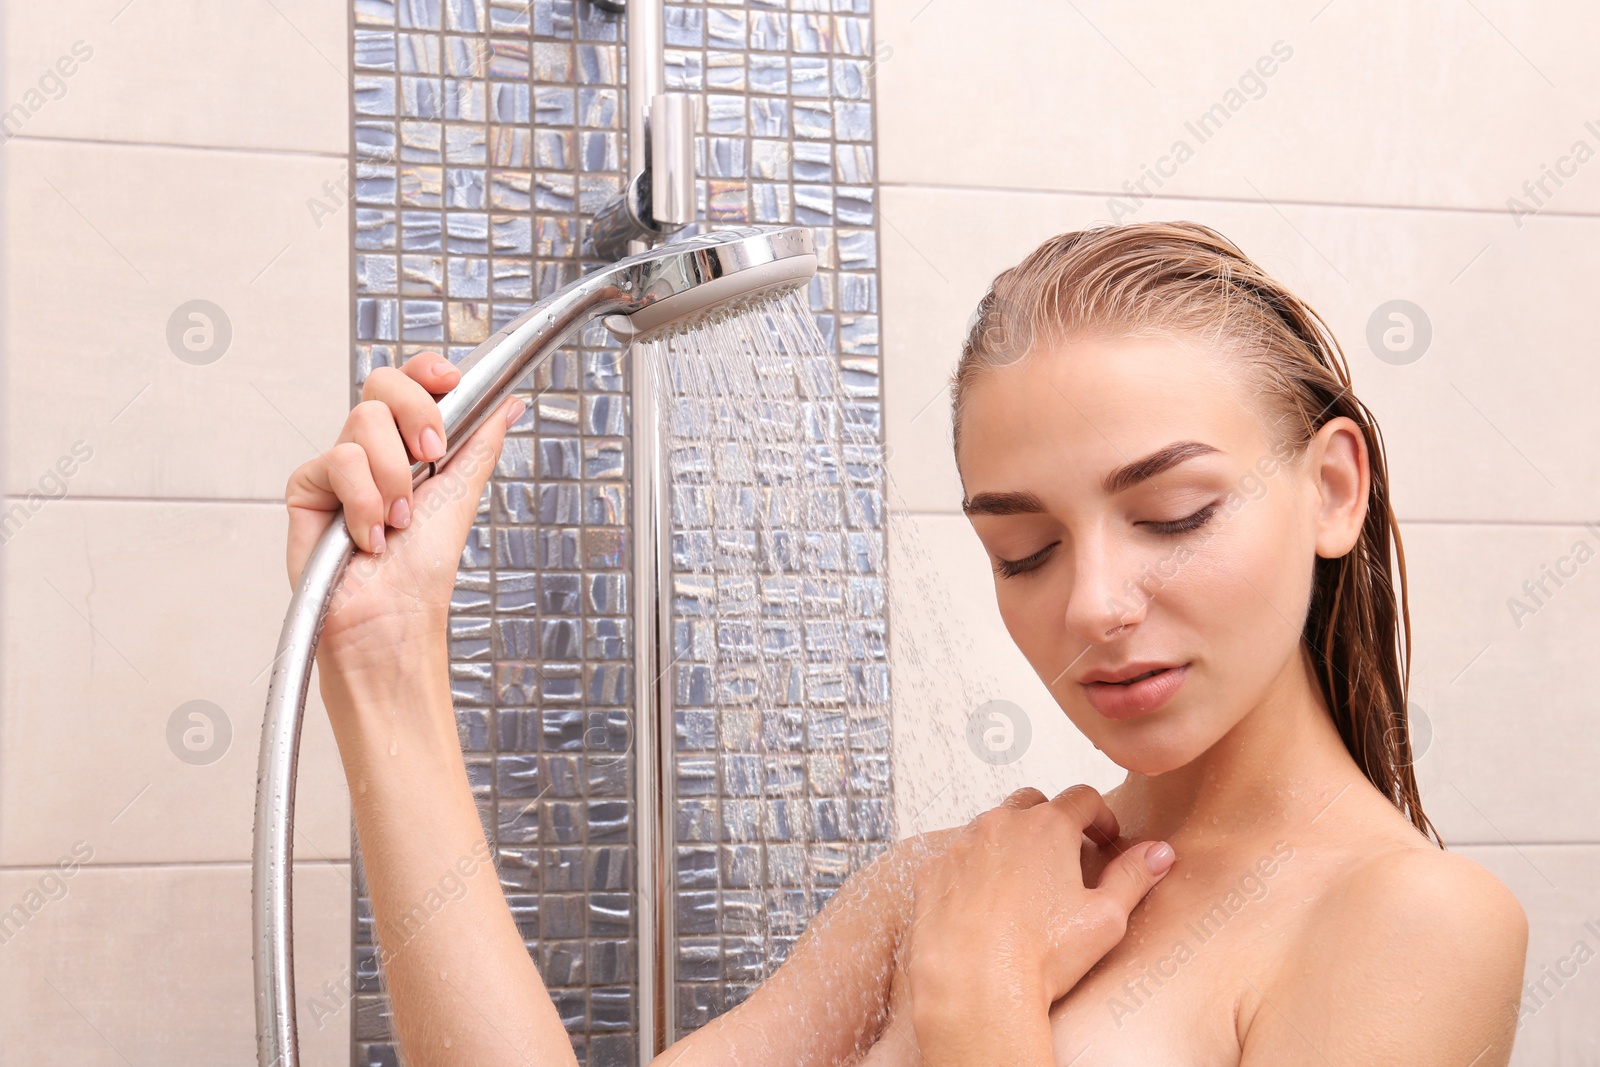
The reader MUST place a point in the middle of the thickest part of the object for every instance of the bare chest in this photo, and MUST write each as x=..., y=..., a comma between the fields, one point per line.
x=1196, y=950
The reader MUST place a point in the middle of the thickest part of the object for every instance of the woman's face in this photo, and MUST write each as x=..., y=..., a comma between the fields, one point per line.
x=1139, y=515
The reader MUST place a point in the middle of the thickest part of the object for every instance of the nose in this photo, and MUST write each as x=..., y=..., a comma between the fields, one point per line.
x=1103, y=603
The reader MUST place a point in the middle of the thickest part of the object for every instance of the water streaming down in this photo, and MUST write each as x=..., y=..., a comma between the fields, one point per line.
x=783, y=519
x=781, y=696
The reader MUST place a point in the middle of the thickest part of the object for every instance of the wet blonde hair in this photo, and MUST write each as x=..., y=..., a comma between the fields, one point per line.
x=1187, y=281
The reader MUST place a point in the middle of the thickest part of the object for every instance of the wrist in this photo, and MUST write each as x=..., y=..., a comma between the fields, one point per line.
x=985, y=971
x=998, y=1019
x=371, y=702
x=957, y=998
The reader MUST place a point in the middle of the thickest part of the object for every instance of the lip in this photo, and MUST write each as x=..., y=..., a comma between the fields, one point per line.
x=1126, y=671
x=1137, y=698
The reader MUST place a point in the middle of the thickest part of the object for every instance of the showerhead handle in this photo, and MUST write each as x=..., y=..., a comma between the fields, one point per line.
x=650, y=291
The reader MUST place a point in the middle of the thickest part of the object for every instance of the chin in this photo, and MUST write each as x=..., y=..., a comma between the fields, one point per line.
x=1150, y=744
x=1151, y=760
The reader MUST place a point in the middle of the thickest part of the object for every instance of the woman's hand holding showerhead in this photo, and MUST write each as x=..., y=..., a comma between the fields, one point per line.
x=398, y=586
x=1005, y=911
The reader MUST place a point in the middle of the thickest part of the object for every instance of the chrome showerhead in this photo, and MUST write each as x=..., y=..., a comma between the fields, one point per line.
x=681, y=280
x=668, y=285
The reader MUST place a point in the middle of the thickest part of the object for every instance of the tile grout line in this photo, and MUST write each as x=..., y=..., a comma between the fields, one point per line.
x=107, y=142
x=1200, y=197
x=134, y=865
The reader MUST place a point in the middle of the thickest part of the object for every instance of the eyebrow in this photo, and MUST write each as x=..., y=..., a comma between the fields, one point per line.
x=1123, y=478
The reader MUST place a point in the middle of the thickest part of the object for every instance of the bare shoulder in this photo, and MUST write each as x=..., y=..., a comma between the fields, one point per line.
x=1441, y=902
x=1416, y=955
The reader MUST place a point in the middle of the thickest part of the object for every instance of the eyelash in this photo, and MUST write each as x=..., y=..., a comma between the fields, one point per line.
x=1183, y=526
x=1008, y=568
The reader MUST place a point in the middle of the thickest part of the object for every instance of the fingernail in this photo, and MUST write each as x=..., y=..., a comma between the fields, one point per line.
x=432, y=447
x=399, y=513
x=1160, y=859
x=515, y=413
x=377, y=538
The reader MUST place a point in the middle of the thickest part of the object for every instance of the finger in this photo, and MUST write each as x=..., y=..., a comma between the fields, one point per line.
x=1026, y=797
x=312, y=506
x=1084, y=805
x=350, y=479
x=433, y=372
x=318, y=489
x=371, y=425
x=413, y=409
x=1131, y=875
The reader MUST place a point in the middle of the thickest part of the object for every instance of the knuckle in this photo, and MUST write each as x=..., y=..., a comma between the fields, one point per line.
x=347, y=454
x=1081, y=792
x=987, y=818
x=371, y=412
x=991, y=826
x=378, y=379
x=1106, y=915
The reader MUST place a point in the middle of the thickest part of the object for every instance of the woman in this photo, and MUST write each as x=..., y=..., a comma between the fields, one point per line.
x=1188, y=517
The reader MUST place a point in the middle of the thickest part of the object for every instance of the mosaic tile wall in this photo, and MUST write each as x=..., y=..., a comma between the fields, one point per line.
x=484, y=134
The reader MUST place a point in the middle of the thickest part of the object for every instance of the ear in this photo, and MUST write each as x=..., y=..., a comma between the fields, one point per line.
x=1343, y=474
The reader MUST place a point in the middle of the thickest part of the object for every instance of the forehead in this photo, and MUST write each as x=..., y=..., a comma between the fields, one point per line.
x=1073, y=411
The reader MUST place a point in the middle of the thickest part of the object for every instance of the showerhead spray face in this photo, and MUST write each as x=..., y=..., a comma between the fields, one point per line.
x=713, y=271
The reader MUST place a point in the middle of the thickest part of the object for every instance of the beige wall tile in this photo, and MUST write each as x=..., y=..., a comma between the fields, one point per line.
x=1506, y=691
x=1489, y=422
x=106, y=243
x=1555, y=884
x=950, y=655
x=117, y=614
x=152, y=965
x=1451, y=105
x=254, y=75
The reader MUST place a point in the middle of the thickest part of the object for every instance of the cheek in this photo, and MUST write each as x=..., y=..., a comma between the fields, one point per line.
x=1034, y=613
x=1252, y=581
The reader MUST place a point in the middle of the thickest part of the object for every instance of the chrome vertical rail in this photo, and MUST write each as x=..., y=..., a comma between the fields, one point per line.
x=652, y=600
x=645, y=40
x=652, y=737
x=658, y=198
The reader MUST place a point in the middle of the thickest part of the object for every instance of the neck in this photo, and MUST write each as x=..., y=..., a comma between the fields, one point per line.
x=1279, y=766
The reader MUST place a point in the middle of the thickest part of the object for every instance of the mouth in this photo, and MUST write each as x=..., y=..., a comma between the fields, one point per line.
x=1133, y=690
x=1129, y=673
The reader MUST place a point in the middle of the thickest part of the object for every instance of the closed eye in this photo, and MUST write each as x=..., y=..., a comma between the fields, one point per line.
x=1009, y=568
x=1185, y=525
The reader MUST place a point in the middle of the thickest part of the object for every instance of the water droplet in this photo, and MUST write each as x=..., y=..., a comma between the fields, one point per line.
x=394, y=746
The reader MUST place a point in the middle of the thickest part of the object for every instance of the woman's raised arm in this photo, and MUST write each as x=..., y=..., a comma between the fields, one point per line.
x=461, y=984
